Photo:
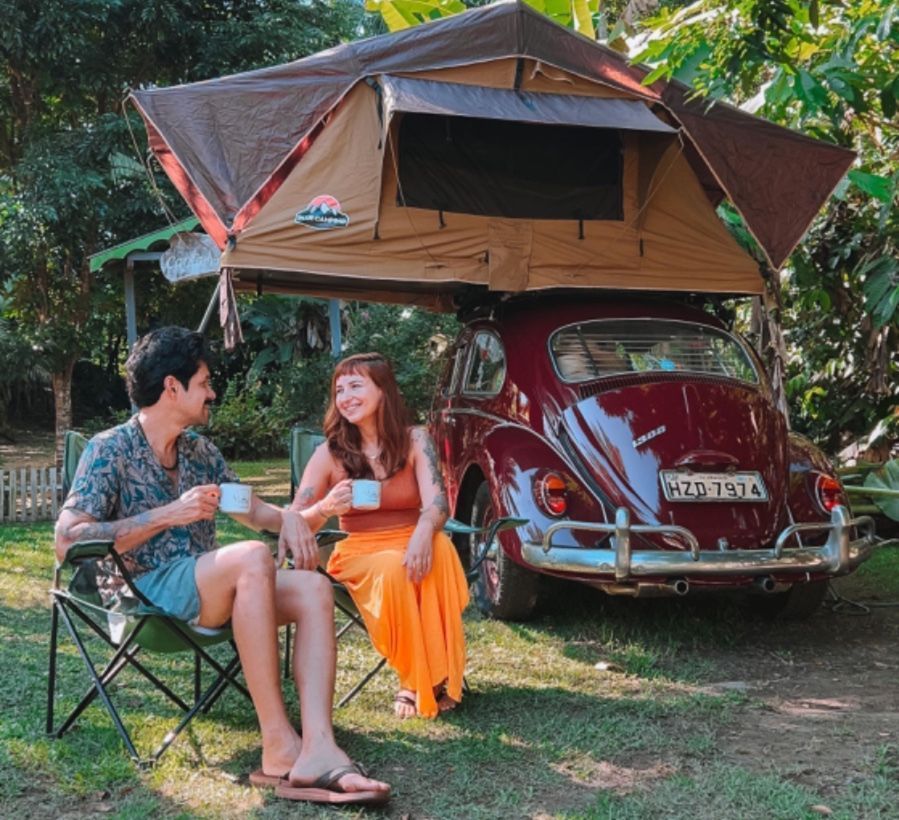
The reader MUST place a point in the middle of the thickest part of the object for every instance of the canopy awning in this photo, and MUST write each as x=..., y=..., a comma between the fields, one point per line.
x=454, y=99
x=155, y=241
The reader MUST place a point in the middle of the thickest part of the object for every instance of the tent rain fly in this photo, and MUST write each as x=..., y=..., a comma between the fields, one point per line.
x=492, y=149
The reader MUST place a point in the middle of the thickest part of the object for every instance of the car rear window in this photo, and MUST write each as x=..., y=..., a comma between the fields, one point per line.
x=592, y=350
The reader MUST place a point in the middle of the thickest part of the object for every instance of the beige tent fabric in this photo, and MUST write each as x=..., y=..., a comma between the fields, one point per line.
x=670, y=238
x=536, y=76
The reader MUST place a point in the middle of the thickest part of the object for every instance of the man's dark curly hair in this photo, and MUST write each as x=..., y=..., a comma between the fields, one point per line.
x=168, y=351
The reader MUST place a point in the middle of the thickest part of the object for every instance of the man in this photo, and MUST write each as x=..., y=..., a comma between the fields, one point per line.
x=151, y=486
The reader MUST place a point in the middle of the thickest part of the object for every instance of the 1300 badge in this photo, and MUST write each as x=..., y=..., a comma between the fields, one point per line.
x=322, y=213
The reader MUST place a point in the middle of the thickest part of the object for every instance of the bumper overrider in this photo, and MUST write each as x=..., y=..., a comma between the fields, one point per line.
x=840, y=554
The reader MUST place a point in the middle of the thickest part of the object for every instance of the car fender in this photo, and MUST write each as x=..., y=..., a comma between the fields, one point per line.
x=510, y=457
x=805, y=459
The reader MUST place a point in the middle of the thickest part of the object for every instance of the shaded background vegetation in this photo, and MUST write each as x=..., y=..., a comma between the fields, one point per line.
x=73, y=181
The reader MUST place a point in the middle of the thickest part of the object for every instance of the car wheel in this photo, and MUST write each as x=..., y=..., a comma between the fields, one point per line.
x=502, y=589
x=800, y=601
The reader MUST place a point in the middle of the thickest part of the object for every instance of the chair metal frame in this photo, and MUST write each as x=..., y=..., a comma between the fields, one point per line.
x=151, y=630
x=150, y=624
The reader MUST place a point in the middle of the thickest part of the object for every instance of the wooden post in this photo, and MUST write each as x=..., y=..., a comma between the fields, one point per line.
x=13, y=513
x=54, y=493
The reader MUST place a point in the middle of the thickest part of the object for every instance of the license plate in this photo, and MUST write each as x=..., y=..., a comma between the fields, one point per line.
x=679, y=486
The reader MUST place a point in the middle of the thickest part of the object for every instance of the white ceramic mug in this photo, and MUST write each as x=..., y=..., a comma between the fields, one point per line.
x=366, y=494
x=235, y=498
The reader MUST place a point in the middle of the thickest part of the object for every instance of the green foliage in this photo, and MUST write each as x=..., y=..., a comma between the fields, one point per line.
x=242, y=426
x=69, y=181
x=581, y=15
x=831, y=70
x=400, y=14
x=886, y=480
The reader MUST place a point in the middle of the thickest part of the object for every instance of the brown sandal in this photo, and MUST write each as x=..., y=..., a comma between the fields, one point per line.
x=262, y=780
x=439, y=695
x=403, y=699
x=327, y=789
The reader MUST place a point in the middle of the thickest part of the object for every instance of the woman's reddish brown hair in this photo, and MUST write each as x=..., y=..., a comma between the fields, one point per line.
x=344, y=440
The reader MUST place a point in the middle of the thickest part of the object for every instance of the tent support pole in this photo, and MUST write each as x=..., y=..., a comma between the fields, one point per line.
x=336, y=332
x=130, y=303
x=209, y=309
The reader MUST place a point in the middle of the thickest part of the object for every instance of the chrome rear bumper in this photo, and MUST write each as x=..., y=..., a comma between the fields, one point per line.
x=837, y=556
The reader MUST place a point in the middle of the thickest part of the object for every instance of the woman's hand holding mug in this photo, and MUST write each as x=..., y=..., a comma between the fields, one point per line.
x=338, y=501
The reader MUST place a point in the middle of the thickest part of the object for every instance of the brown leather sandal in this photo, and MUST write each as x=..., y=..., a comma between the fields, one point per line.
x=404, y=699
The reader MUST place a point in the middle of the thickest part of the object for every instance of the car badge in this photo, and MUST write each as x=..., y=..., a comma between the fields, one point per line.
x=638, y=442
x=322, y=213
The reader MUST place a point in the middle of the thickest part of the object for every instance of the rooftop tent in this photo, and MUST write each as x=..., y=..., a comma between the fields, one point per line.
x=491, y=149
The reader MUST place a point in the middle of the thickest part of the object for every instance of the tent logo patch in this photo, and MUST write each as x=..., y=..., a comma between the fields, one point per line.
x=322, y=213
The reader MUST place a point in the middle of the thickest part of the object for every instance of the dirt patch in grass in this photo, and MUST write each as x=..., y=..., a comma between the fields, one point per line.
x=824, y=698
x=27, y=448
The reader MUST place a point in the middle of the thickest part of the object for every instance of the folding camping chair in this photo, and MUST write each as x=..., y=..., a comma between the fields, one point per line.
x=301, y=445
x=127, y=631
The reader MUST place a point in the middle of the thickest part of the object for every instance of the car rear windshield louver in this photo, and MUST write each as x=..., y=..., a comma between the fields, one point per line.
x=617, y=382
x=605, y=348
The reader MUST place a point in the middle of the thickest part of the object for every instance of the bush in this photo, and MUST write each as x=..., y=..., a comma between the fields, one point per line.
x=242, y=427
x=267, y=391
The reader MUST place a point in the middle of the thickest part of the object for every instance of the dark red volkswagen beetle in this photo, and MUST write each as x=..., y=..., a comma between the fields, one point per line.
x=641, y=441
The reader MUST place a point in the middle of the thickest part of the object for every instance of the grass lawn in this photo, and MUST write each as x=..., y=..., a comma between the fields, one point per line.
x=544, y=733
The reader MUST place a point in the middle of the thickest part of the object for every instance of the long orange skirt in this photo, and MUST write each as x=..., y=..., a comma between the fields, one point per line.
x=417, y=627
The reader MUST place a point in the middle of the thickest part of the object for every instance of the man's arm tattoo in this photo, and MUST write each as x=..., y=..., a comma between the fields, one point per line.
x=106, y=530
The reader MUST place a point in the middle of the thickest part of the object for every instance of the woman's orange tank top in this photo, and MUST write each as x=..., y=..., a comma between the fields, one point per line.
x=400, y=505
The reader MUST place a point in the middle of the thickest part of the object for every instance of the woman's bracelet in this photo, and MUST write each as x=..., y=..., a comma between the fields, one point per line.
x=320, y=512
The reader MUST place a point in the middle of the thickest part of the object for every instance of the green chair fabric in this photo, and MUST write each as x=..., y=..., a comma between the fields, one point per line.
x=301, y=446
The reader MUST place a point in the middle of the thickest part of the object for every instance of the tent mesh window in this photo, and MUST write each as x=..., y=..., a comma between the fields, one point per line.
x=509, y=169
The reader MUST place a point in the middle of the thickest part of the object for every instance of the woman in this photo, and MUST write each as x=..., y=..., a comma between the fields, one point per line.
x=400, y=568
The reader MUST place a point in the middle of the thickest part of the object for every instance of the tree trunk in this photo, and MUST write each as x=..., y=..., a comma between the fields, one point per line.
x=635, y=10
x=62, y=398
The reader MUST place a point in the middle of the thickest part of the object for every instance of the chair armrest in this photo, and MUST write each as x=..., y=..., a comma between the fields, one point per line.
x=327, y=537
x=497, y=526
x=82, y=551
x=455, y=527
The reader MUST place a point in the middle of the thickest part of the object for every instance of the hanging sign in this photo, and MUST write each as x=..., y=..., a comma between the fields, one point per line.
x=190, y=256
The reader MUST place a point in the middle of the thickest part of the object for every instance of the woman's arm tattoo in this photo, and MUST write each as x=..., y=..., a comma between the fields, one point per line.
x=440, y=503
x=304, y=498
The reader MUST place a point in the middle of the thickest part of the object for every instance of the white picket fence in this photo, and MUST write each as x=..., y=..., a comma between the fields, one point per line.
x=30, y=494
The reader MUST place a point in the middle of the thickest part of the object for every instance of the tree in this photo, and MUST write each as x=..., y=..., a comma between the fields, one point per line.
x=66, y=67
x=830, y=69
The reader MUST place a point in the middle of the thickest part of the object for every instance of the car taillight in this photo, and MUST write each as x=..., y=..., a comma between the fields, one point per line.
x=549, y=491
x=829, y=492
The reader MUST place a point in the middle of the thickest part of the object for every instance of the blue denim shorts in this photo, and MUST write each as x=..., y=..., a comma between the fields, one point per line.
x=173, y=588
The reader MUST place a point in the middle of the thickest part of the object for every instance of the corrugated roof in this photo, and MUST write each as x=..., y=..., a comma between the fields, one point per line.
x=146, y=242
